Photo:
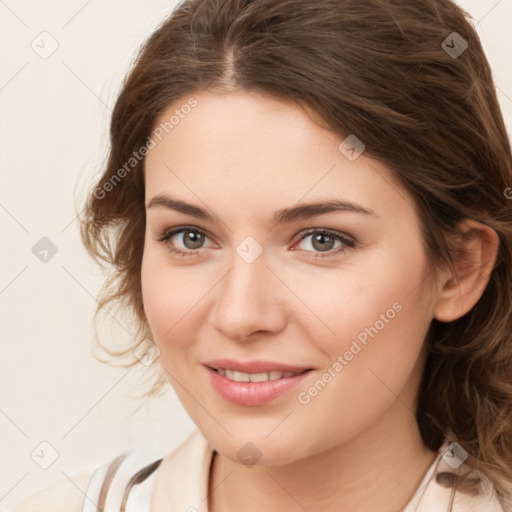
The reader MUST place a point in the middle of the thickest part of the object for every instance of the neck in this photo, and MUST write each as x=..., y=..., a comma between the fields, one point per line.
x=389, y=458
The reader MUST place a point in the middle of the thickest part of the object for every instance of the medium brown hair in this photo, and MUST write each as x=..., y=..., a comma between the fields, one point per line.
x=378, y=69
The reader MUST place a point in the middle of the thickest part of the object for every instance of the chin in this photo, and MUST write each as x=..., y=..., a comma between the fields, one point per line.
x=256, y=447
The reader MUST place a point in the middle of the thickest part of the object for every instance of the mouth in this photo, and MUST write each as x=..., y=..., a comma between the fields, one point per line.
x=255, y=377
x=254, y=383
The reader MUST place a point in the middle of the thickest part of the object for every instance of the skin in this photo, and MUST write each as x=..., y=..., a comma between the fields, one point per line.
x=359, y=433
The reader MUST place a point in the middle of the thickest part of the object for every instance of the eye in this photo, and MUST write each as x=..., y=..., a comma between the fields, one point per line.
x=324, y=241
x=193, y=240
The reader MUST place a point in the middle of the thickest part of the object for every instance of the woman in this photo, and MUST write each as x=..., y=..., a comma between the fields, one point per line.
x=307, y=210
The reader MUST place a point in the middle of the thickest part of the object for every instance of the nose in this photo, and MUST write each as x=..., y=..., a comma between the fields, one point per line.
x=249, y=299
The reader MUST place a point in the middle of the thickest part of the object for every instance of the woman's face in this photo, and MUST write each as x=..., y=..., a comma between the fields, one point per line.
x=263, y=284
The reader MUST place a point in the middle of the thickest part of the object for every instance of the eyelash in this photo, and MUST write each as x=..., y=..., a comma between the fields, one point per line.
x=347, y=243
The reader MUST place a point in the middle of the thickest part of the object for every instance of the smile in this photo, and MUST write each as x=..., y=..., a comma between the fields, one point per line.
x=254, y=377
x=254, y=383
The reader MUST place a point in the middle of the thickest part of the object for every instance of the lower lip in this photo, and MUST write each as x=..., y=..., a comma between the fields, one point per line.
x=252, y=394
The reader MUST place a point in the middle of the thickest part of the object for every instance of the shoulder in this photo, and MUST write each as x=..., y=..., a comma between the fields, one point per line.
x=194, y=454
x=183, y=477
x=64, y=496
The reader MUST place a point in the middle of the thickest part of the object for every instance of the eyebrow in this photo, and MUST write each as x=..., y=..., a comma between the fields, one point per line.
x=286, y=215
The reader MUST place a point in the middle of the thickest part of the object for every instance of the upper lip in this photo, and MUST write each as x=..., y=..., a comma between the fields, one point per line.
x=257, y=366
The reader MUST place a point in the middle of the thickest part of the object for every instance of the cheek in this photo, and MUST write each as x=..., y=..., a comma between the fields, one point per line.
x=378, y=319
x=163, y=307
x=163, y=295
x=364, y=298
x=371, y=361
x=173, y=300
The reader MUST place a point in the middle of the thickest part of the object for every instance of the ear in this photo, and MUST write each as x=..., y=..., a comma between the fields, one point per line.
x=474, y=255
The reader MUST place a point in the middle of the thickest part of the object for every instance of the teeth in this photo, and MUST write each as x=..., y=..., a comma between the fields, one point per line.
x=258, y=377
x=254, y=377
x=241, y=377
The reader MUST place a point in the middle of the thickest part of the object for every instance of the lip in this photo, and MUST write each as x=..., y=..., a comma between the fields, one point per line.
x=257, y=366
x=253, y=394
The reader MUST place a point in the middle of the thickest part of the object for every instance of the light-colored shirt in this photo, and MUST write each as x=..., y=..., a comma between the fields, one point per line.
x=124, y=484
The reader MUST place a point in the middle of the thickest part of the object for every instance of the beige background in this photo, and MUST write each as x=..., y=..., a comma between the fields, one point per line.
x=53, y=138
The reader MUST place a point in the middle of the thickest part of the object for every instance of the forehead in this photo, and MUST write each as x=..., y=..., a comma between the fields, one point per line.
x=259, y=152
